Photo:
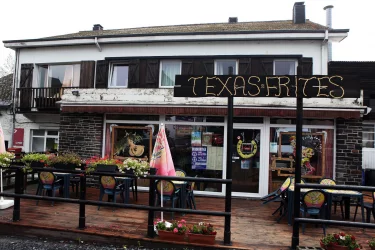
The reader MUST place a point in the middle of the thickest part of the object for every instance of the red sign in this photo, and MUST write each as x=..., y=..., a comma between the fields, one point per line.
x=18, y=137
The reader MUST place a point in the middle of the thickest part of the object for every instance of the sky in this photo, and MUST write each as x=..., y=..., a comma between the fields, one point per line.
x=25, y=19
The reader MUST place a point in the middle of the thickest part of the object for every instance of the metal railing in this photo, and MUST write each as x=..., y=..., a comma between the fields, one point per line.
x=151, y=208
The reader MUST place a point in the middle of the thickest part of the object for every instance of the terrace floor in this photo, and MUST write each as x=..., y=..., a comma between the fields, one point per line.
x=253, y=226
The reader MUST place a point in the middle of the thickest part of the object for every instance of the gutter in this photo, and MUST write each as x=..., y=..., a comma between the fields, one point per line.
x=324, y=56
x=97, y=44
x=15, y=77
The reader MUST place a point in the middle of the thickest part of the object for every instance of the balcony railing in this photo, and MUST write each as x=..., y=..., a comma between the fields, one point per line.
x=37, y=99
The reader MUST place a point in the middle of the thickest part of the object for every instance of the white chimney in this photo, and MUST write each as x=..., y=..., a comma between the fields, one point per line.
x=328, y=10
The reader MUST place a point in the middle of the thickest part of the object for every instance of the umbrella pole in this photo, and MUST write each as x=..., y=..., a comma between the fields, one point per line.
x=161, y=199
x=1, y=176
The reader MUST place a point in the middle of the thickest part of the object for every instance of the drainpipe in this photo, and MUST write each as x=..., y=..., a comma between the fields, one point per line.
x=15, y=77
x=97, y=44
x=328, y=10
x=324, y=54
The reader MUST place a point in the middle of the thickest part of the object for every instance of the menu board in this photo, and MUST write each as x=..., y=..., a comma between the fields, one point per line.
x=198, y=157
x=196, y=139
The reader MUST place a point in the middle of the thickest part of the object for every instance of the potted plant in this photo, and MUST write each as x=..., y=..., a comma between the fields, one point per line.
x=135, y=166
x=174, y=231
x=95, y=161
x=6, y=158
x=66, y=160
x=202, y=233
x=371, y=243
x=35, y=160
x=340, y=241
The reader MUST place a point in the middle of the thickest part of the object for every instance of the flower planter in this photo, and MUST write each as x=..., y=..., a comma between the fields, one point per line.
x=201, y=238
x=37, y=164
x=333, y=247
x=372, y=248
x=169, y=235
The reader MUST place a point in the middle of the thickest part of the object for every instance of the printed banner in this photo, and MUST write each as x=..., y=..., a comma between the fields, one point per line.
x=198, y=157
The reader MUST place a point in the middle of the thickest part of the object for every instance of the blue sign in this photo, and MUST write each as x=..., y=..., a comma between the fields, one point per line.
x=198, y=157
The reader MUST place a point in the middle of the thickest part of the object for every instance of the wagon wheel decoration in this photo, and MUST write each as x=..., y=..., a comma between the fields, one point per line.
x=251, y=147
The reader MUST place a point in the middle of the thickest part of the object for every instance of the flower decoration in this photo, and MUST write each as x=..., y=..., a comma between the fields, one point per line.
x=139, y=167
x=177, y=227
x=96, y=160
x=34, y=157
x=202, y=228
x=64, y=158
x=6, y=158
x=340, y=239
x=371, y=243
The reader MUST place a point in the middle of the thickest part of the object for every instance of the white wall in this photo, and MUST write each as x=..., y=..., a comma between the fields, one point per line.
x=6, y=121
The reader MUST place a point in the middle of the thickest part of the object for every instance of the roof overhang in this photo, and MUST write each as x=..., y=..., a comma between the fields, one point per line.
x=334, y=36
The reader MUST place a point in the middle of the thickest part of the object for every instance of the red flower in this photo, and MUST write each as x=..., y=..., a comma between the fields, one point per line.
x=353, y=238
x=336, y=236
x=342, y=234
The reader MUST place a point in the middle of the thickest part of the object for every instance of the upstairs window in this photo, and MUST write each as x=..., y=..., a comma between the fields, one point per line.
x=226, y=67
x=119, y=75
x=57, y=76
x=285, y=67
x=168, y=71
x=44, y=140
x=368, y=136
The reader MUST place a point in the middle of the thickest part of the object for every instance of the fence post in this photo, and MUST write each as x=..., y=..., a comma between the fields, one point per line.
x=18, y=189
x=151, y=203
x=82, y=197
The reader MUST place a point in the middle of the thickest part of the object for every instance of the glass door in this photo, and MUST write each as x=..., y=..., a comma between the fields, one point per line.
x=246, y=161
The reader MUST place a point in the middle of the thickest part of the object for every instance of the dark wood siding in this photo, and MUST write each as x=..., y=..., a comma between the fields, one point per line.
x=262, y=66
x=133, y=81
x=87, y=74
x=26, y=75
x=244, y=67
x=305, y=66
x=102, y=68
x=187, y=67
x=197, y=67
x=152, y=73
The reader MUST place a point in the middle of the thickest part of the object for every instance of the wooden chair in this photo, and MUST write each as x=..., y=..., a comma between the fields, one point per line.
x=48, y=182
x=335, y=198
x=108, y=185
x=170, y=193
x=313, y=203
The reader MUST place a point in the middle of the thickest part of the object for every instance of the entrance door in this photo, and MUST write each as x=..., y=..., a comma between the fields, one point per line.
x=246, y=161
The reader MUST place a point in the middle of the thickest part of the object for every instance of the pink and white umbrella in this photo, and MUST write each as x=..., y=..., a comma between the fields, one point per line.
x=161, y=159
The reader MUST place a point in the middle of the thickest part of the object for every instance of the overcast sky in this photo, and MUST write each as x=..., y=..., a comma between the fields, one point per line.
x=25, y=19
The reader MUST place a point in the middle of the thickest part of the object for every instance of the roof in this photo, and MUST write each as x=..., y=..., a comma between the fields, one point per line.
x=208, y=28
x=6, y=83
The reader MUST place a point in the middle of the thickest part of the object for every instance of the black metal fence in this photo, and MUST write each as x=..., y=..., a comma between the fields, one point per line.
x=298, y=220
x=151, y=208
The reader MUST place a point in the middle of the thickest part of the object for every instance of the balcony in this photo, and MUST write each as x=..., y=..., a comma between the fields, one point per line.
x=42, y=100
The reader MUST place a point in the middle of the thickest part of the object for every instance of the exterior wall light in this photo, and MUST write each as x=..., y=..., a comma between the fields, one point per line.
x=75, y=92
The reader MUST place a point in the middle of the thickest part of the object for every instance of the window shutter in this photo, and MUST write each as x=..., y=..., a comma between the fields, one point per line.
x=26, y=75
x=133, y=80
x=266, y=66
x=152, y=73
x=102, y=68
x=203, y=67
x=305, y=66
x=244, y=66
x=86, y=79
x=187, y=67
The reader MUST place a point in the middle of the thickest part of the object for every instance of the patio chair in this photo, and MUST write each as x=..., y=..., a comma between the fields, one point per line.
x=279, y=196
x=48, y=183
x=370, y=208
x=108, y=185
x=313, y=203
x=335, y=198
x=170, y=193
x=190, y=195
x=180, y=173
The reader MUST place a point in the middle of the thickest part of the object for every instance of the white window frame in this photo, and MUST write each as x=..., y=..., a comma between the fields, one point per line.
x=373, y=125
x=111, y=68
x=161, y=69
x=225, y=60
x=45, y=136
x=48, y=70
x=285, y=60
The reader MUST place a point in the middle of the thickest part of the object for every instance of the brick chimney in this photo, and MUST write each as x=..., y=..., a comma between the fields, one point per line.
x=97, y=27
x=299, y=12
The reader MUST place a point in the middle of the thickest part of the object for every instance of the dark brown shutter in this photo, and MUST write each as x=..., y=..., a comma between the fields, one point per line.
x=133, y=80
x=152, y=73
x=305, y=66
x=26, y=75
x=244, y=66
x=87, y=74
x=203, y=67
x=102, y=68
x=187, y=67
x=266, y=66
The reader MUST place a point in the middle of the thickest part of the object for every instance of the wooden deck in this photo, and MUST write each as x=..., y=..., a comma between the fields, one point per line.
x=253, y=226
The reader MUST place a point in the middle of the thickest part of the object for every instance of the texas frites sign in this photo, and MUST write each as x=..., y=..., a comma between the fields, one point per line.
x=316, y=86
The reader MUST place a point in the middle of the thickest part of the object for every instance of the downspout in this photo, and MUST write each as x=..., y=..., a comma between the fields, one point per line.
x=15, y=77
x=97, y=44
x=324, y=62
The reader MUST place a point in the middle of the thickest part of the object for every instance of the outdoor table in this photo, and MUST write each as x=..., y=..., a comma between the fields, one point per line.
x=330, y=192
x=182, y=185
x=66, y=178
x=126, y=181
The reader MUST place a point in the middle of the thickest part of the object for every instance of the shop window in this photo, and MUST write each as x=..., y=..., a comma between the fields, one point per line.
x=44, y=140
x=225, y=67
x=168, y=71
x=305, y=121
x=368, y=134
x=56, y=76
x=118, y=77
x=285, y=67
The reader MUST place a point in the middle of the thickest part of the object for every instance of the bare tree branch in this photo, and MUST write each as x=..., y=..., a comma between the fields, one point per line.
x=8, y=66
